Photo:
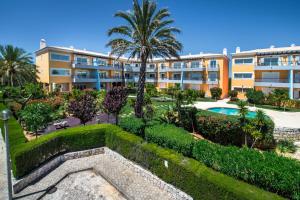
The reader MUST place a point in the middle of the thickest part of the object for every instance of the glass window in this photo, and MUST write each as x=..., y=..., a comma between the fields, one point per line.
x=60, y=72
x=59, y=57
x=81, y=60
x=242, y=75
x=177, y=65
x=213, y=63
x=195, y=64
x=240, y=89
x=82, y=74
x=269, y=61
x=212, y=76
x=151, y=66
x=99, y=62
x=243, y=61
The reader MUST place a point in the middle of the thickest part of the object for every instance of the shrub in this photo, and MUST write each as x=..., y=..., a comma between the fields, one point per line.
x=188, y=118
x=216, y=92
x=83, y=108
x=233, y=95
x=254, y=96
x=133, y=124
x=264, y=169
x=200, y=93
x=151, y=90
x=279, y=97
x=171, y=137
x=187, y=174
x=286, y=146
x=36, y=116
x=227, y=130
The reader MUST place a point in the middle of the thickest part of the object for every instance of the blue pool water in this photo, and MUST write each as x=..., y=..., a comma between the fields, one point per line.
x=231, y=111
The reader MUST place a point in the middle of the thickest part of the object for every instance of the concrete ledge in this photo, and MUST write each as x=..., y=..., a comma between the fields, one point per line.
x=51, y=165
x=284, y=133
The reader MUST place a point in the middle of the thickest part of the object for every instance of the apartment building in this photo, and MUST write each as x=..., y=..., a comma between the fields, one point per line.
x=65, y=68
x=267, y=69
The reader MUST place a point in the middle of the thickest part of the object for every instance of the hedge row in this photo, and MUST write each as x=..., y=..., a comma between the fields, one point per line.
x=16, y=135
x=264, y=169
x=185, y=173
x=28, y=156
x=172, y=137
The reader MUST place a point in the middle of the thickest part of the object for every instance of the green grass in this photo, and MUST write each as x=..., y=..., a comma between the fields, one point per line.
x=270, y=107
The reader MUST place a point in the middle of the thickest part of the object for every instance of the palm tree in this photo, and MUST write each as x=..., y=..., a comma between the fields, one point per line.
x=16, y=66
x=243, y=110
x=147, y=34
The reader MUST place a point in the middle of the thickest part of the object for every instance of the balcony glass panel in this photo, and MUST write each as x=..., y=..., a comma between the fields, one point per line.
x=99, y=62
x=177, y=65
x=81, y=60
x=195, y=64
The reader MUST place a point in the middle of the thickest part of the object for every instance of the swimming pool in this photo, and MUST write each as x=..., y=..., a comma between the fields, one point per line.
x=231, y=111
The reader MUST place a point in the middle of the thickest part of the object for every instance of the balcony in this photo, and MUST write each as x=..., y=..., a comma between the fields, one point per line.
x=212, y=81
x=105, y=79
x=193, y=80
x=274, y=65
x=89, y=65
x=84, y=79
x=213, y=68
x=271, y=82
x=151, y=69
x=151, y=79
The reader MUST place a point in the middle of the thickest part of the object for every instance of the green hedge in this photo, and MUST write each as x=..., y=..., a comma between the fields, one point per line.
x=132, y=125
x=28, y=156
x=264, y=169
x=16, y=135
x=171, y=137
x=185, y=173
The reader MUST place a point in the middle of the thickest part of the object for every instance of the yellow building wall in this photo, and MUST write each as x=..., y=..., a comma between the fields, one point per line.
x=42, y=64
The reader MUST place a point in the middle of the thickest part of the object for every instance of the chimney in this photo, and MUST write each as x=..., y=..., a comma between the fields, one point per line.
x=293, y=45
x=43, y=43
x=237, y=50
x=225, y=51
x=272, y=47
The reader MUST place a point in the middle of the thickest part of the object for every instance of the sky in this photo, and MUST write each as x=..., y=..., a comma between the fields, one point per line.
x=206, y=25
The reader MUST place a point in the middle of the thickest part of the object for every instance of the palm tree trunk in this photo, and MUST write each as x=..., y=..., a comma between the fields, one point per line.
x=123, y=75
x=140, y=91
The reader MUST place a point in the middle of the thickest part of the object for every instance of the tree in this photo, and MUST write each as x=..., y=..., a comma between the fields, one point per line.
x=151, y=90
x=254, y=96
x=114, y=101
x=147, y=34
x=36, y=116
x=243, y=110
x=280, y=97
x=233, y=95
x=16, y=66
x=83, y=108
x=216, y=92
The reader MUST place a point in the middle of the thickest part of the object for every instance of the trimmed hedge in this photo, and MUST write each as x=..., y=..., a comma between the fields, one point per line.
x=133, y=125
x=264, y=169
x=171, y=137
x=16, y=135
x=28, y=156
x=185, y=173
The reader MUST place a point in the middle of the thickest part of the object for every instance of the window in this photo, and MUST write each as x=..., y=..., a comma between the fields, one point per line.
x=81, y=60
x=243, y=61
x=82, y=74
x=195, y=64
x=60, y=57
x=60, y=72
x=269, y=61
x=99, y=62
x=151, y=66
x=196, y=76
x=241, y=89
x=242, y=75
x=176, y=76
x=212, y=76
x=213, y=63
x=177, y=65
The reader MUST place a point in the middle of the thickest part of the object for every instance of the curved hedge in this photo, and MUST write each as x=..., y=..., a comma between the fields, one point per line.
x=185, y=173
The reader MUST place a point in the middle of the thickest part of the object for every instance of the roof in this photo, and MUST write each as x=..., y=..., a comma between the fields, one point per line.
x=271, y=50
x=97, y=54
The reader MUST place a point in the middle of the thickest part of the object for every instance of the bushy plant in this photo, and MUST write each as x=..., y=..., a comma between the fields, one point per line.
x=151, y=90
x=172, y=137
x=215, y=92
x=200, y=93
x=233, y=95
x=279, y=97
x=36, y=116
x=133, y=125
x=188, y=118
x=255, y=96
x=286, y=146
x=115, y=100
x=83, y=107
x=264, y=169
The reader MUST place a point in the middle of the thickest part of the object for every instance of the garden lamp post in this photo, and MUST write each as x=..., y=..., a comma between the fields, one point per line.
x=5, y=114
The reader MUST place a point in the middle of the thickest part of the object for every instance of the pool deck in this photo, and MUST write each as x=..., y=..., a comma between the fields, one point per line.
x=281, y=119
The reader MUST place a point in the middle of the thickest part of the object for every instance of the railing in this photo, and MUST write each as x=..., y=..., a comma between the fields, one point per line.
x=277, y=63
x=296, y=80
x=272, y=80
x=213, y=67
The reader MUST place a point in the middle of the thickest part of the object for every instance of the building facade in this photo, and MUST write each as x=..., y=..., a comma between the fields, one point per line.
x=267, y=69
x=67, y=68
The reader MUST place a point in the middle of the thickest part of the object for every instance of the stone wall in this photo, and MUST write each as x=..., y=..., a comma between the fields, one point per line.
x=287, y=134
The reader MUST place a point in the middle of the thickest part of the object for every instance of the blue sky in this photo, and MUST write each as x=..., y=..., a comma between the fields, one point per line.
x=207, y=26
